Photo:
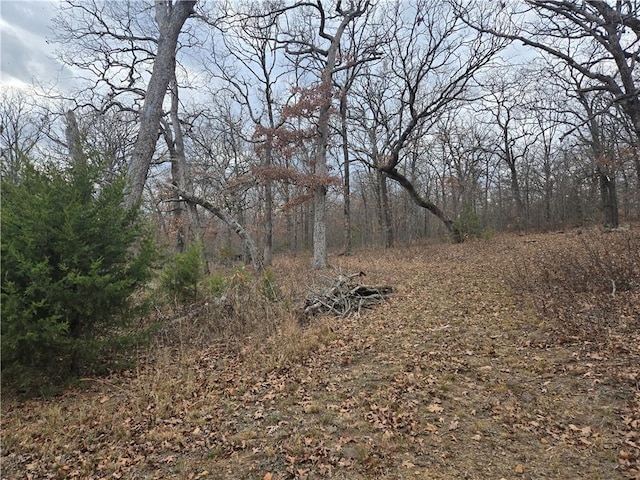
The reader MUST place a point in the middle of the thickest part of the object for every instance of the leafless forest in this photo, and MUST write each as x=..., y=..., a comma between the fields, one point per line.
x=416, y=235
x=328, y=125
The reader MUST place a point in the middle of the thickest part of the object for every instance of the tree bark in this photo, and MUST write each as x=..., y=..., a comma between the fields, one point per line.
x=268, y=223
x=514, y=179
x=268, y=186
x=386, y=224
x=609, y=198
x=346, y=187
x=320, y=259
x=170, y=18
x=74, y=140
x=187, y=225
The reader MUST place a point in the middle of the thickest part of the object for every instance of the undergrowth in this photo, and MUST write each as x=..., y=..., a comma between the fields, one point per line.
x=249, y=315
x=587, y=286
x=229, y=307
x=235, y=388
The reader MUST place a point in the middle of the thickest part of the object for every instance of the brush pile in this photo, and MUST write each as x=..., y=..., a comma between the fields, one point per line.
x=344, y=297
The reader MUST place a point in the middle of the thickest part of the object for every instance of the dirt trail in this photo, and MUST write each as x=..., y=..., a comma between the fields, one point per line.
x=449, y=380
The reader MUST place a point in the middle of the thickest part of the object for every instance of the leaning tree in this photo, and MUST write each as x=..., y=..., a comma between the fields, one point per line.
x=430, y=61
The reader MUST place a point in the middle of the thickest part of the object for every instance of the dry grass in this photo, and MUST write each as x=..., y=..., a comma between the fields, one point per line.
x=453, y=378
x=588, y=283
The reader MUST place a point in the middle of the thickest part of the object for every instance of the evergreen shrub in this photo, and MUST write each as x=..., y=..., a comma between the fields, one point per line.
x=72, y=258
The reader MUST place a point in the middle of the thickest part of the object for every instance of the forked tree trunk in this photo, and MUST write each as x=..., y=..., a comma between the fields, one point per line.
x=170, y=18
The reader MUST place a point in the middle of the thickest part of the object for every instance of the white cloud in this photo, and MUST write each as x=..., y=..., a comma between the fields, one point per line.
x=26, y=57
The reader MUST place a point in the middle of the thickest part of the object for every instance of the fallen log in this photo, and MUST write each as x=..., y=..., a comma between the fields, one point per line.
x=344, y=297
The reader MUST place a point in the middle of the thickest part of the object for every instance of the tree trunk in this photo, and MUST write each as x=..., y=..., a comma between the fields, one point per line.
x=364, y=227
x=267, y=256
x=289, y=220
x=320, y=259
x=515, y=181
x=170, y=18
x=177, y=211
x=548, y=191
x=386, y=225
x=636, y=159
x=609, y=200
x=346, y=188
x=517, y=196
x=604, y=173
x=74, y=140
x=186, y=225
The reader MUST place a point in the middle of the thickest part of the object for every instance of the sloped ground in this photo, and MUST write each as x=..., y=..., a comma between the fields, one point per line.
x=451, y=379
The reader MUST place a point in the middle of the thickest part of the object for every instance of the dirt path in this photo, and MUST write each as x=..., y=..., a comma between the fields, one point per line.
x=449, y=380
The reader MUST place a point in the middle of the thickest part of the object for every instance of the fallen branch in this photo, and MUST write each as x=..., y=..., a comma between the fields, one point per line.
x=256, y=260
x=344, y=297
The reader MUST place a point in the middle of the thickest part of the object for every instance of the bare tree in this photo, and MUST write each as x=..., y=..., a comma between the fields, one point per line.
x=547, y=107
x=112, y=134
x=462, y=141
x=187, y=226
x=223, y=162
x=297, y=43
x=247, y=57
x=362, y=45
x=431, y=60
x=506, y=106
x=22, y=126
x=585, y=111
x=604, y=168
x=596, y=39
x=170, y=18
x=122, y=47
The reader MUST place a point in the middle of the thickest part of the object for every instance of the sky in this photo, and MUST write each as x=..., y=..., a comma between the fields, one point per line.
x=25, y=55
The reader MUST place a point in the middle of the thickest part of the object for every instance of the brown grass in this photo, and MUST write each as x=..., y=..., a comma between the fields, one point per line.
x=588, y=284
x=454, y=378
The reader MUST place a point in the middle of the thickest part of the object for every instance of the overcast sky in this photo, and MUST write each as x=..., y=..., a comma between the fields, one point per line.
x=25, y=55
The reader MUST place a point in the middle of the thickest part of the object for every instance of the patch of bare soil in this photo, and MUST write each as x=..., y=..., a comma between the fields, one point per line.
x=450, y=379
